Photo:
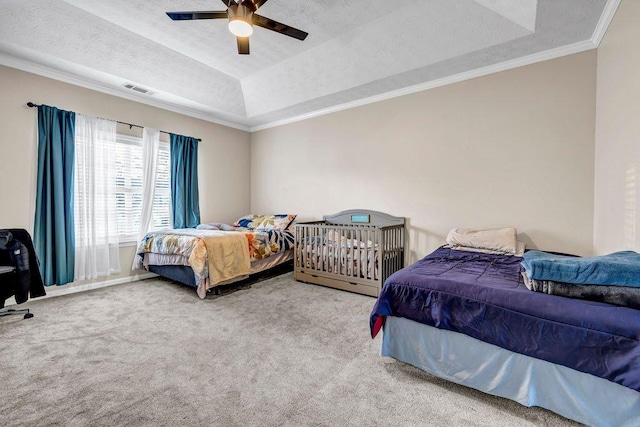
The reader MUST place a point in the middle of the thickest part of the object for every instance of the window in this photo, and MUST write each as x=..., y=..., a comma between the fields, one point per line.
x=125, y=164
x=128, y=176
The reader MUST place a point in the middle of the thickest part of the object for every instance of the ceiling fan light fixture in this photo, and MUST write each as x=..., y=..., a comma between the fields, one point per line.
x=240, y=20
x=240, y=28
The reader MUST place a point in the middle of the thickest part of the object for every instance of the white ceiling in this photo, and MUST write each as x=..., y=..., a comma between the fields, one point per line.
x=357, y=50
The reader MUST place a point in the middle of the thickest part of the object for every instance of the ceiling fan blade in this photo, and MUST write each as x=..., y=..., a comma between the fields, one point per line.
x=243, y=45
x=187, y=16
x=272, y=25
x=259, y=3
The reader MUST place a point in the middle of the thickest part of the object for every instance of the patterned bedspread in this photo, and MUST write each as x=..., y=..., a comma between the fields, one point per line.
x=190, y=244
x=264, y=243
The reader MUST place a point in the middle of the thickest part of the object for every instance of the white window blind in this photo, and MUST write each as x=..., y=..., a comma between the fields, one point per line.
x=127, y=161
x=162, y=199
x=127, y=171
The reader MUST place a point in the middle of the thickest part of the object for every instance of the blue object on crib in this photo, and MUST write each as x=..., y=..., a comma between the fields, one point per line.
x=618, y=268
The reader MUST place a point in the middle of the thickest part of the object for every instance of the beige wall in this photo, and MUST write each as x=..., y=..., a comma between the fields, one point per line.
x=513, y=148
x=223, y=154
x=617, y=166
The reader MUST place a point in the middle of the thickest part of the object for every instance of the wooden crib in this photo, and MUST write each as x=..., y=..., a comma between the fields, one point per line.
x=354, y=250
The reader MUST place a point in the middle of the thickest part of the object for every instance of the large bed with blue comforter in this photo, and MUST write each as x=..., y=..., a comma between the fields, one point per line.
x=469, y=317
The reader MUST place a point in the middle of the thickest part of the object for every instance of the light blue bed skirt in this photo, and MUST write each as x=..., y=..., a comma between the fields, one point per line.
x=529, y=381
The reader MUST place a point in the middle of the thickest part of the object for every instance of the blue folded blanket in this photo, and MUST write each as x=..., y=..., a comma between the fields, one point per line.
x=618, y=268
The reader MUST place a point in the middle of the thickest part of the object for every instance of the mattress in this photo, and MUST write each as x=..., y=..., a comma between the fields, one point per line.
x=483, y=296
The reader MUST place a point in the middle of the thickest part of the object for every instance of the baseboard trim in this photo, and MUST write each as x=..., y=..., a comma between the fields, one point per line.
x=56, y=291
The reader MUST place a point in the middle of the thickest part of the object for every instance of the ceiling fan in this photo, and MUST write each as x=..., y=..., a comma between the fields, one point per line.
x=242, y=17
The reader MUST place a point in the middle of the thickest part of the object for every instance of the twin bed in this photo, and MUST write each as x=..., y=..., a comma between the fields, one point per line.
x=469, y=318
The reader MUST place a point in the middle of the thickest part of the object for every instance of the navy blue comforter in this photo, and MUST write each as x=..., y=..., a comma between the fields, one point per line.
x=484, y=296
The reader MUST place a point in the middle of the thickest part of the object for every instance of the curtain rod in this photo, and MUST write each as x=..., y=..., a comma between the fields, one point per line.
x=131, y=125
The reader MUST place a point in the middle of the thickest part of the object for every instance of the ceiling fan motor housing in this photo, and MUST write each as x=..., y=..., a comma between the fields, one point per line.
x=241, y=11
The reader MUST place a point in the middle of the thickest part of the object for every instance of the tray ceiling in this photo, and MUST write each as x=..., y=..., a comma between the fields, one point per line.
x=356, y=49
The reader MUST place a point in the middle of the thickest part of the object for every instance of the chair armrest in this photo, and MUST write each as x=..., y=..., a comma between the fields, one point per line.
x=6, y=269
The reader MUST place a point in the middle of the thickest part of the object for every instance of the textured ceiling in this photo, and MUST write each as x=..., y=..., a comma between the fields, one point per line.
x=356, y=48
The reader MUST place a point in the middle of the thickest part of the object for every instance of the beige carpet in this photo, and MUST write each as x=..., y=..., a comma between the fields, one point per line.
x=276, y=353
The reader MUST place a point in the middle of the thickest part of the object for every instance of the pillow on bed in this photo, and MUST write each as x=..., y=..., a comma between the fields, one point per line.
x=211, y=226
x=273, y=222
x=499, y=240
x=265, y=222
x=216, y=226
x=245, y=221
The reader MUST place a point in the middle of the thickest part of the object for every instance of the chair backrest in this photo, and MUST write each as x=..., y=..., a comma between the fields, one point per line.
x=5, y=256
x=5, y=237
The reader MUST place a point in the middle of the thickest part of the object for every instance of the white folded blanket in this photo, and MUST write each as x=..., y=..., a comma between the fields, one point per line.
x=495, y=240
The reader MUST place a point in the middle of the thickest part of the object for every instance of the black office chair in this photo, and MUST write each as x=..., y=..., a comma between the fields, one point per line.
x=14, y=267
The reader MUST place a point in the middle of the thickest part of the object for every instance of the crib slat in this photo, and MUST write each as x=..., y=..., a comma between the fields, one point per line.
x=380, y=252
x=368, y=252
x=343, y=252
x=320, y=248
x=305, y=242
x=384, y=267
x=312, y=243
x=358, y=262
x=314, y=250
x=395, y=250
x=392, y=260
x=306, y=246
x=296, y=239
x=357, y=251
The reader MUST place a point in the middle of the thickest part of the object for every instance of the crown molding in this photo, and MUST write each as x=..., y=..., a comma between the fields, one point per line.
x=46, y=71
x=52, y=73
x=605, y=19
x=467, y=75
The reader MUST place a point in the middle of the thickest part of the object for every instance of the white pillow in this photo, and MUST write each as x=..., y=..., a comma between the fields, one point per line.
x=500, y=240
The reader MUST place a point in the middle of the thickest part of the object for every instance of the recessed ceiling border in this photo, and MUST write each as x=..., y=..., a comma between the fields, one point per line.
x=467, y=75
x=49, y=72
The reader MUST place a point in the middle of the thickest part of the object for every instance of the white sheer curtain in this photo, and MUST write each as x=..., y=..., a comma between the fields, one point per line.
x=150, y=150
x=96, y=222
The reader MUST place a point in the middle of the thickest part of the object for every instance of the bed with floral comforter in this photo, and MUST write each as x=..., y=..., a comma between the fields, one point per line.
x=216, y=253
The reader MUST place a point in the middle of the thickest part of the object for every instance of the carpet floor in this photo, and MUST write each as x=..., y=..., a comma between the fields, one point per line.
x=273, y=353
